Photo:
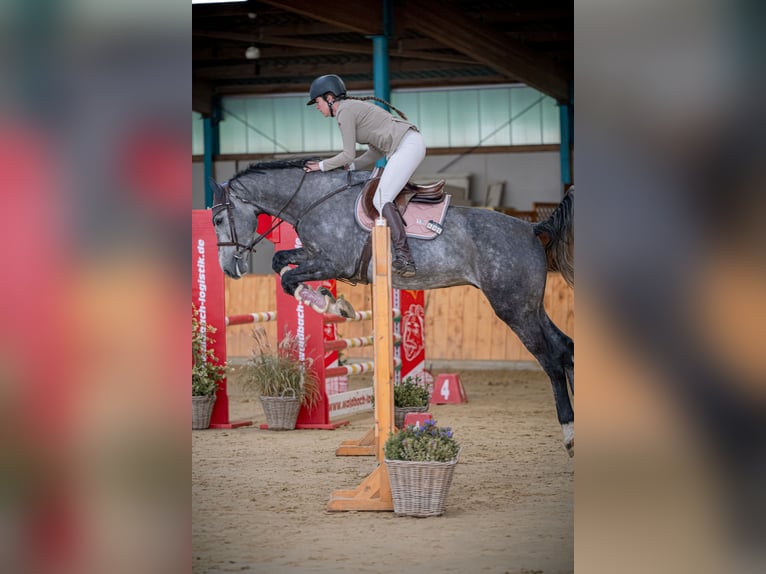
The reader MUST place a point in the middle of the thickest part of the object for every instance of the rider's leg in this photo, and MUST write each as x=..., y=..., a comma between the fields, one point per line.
x=399, y=168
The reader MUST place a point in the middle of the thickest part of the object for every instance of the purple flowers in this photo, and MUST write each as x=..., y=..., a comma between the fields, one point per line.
x=426, y=443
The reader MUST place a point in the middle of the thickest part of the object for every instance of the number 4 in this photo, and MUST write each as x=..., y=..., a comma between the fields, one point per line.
x=444, y=391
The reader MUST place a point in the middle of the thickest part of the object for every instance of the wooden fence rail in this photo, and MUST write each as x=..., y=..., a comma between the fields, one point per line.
x=460, y=324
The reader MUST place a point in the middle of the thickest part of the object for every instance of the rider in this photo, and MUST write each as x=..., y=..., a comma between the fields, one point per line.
x=396, y=139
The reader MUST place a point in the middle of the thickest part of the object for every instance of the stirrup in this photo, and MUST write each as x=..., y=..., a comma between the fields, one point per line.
x=404, y=268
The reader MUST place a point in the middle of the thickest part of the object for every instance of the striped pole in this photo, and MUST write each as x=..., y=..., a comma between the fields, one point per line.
x=354, y=342
x=258, y=317
x=358, y=316
x=355, y=369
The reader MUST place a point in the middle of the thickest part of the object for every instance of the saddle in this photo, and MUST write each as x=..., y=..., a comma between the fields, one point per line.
x=412, y=192
x=423, y=208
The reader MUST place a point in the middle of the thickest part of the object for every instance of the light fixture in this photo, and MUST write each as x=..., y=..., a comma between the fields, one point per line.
x=253, y=53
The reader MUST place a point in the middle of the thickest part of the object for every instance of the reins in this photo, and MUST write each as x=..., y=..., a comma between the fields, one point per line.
x=325, y=198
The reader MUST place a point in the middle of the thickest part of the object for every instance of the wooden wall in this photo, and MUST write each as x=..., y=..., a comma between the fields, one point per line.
x=460, y=324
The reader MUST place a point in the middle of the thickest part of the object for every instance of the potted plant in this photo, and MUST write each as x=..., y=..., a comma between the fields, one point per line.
x=420, y=463
x=207, y=372
x=409, y=397
x=281, y=379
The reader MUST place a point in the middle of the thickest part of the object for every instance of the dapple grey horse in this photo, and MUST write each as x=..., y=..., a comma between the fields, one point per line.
x=507, y=258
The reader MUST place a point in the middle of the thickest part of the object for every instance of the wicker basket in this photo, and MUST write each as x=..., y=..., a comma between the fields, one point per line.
x=420, y=488
x=202, y=408
x=401, y=412
x=281, y=412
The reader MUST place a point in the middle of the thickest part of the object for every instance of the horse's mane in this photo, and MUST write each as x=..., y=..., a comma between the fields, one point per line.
x=274, y=164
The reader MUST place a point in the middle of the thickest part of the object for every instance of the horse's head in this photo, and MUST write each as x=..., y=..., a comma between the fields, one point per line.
x=235, y=221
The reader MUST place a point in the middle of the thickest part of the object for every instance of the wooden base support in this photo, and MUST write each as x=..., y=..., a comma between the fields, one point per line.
x=373, y=494
x=316, y=426
x=365, y=446
x=230, y=425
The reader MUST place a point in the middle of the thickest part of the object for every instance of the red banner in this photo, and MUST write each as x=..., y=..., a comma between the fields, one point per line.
x=308, y=326
x=412, y=350
x=208, y=298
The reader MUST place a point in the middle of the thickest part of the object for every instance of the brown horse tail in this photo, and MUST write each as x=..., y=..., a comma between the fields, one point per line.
x=557, y=236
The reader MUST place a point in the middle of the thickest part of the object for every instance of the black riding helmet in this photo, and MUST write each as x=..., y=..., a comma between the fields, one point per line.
x=324, y=84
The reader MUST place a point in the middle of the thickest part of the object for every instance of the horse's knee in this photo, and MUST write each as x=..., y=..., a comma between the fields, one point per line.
x=288, y=286
x=278, y=262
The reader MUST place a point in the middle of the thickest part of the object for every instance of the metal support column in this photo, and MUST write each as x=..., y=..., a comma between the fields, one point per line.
x=212, y=148
x=566, y=140
x=566, y=127
x=380, y=62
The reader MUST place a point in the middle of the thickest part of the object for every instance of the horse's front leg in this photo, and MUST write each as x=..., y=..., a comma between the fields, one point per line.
x=287, y=257
x=321, y=300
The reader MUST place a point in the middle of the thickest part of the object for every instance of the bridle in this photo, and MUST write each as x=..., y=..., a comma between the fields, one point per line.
x=234, y=240
x=250, y=247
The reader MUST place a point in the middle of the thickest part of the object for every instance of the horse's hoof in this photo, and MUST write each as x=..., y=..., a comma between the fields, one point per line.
x=568, y=430
x=342, y=308
x=345, y=308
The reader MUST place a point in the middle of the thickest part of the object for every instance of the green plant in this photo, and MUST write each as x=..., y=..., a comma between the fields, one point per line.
x=207, y=372
x=410, y=394
x=270, y=373
x=427, y=443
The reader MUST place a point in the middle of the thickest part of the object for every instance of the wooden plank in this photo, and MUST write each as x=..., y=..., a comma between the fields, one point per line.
x=382, y=332
x=436, y=336
x=364, y=446
x=454, y=320
x=477, y=341
x=559, y=303
x=470, y=302
x=360, y=298
x=247, y=295
x=374, y=493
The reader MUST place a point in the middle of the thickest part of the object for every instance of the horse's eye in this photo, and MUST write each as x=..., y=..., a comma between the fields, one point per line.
x=218, y=221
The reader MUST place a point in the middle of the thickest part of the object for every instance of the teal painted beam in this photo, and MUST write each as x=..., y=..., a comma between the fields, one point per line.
x=212, y=141
x=208, y=159
x=565, y=127
x=380, y=75
x=380, y=68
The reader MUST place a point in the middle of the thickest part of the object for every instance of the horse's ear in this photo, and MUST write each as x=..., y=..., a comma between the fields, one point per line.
x=217, y=189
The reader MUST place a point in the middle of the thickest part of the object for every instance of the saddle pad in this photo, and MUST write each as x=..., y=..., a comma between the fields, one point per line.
x=424, y=220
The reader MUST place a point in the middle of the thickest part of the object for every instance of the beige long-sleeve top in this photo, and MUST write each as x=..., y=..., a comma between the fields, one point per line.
x=365, y=123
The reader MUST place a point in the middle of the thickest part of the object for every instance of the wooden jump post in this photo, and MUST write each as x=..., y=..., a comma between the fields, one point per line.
x=374, y=492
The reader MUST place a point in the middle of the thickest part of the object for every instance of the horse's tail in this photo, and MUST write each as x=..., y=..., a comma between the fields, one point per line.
x=557, y=236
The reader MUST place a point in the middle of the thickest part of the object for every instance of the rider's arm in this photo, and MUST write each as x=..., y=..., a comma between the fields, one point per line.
x=347, y=125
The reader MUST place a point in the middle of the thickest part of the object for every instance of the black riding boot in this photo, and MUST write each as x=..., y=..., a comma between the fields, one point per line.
x=402, y=264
